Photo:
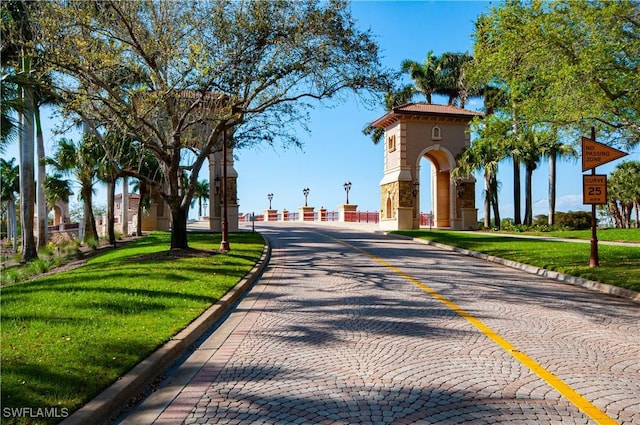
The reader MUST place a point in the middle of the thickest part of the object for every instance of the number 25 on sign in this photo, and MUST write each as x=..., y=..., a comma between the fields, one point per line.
x=594, y=190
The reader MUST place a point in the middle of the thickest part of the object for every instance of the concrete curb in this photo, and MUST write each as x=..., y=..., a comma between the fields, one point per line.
x=573, y=280
x=112, y=400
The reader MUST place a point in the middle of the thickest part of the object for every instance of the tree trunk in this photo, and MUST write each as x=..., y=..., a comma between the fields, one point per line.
x=516, y=168
x=528, y=202
x=90, y=231
x=487, y=200
x=494, y=197
x=27, y=181
x=12, y=220
x=40, y=196
x=552, y=189
x=517, y=214
x=125, y=205
x=178, y=226
x=626, y=214
x=111, y=231
x=143, y=194
x=615, y=212
x=636, y=204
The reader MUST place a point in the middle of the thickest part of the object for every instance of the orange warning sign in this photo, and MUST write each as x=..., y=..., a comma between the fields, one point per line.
x=594, y=189
x=594, y=154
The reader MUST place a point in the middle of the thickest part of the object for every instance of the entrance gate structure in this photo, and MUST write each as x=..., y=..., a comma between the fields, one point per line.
x=437, y=132
x=216, y=164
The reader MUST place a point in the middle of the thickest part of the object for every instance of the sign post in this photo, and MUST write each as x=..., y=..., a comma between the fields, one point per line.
x=594, y=186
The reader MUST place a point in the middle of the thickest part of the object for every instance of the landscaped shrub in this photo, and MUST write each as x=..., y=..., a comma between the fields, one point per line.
x=574, y=220
x=541, y=220
x=92, y=243
x=10, y=275
x=39, y=265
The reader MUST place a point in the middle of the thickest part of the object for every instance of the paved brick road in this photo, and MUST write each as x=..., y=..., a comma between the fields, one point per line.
x=331, y=335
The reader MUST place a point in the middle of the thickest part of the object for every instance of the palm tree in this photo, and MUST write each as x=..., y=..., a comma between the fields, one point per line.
x=43, y=96
x=514, y=153
x=144, y=202
x=109, y=171
x=529, y=147
x=11, y=104
x=57, y=189
x=392, y=99
x=623, y=187
x=201, y=193
x=147, y=166
x=450, y=78
x=554, y=149
x=485, y=154
x=27, y=164
x=494, y=98
x=424, y=75
x=9, y=175
x=12, y=31
x=16, y=54
x=80, y=159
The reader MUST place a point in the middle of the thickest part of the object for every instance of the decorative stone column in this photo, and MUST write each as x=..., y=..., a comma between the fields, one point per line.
x=346, y=212
x=466, y=194
x=322, y=212
x=306, y=213
x=270, y=215
x=215, y=204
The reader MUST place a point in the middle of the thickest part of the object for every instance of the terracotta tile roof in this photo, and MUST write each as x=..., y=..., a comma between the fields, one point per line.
x=424, y=109
x=118, y=197
x=434, y=109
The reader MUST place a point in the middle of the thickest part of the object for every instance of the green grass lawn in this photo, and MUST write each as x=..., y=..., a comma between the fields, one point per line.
x=619, y=265
x=67, y=336
x=614, y=235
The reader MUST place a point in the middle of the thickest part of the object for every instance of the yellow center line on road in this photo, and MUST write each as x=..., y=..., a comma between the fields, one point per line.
x=563, y=388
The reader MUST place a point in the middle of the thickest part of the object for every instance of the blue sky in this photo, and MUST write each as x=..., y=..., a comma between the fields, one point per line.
x=336, y=151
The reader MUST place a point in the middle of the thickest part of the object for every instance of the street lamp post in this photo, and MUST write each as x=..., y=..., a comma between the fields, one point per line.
x=224, y=242
x=347, y=188
x=305, y=191
x=270, y=197
x=216, y=185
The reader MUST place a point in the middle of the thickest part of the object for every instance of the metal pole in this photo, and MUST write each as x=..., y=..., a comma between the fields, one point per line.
x=224, y=242
x=593, y=260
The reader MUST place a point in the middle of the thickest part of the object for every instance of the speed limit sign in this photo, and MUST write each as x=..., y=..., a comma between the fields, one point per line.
x=594, y=189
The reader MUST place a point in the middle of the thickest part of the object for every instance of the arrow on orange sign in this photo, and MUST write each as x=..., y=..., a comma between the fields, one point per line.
x=594, y=154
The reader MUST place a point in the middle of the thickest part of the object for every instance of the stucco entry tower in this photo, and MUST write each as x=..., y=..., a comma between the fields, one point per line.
x=438, y=133
x=216, y=162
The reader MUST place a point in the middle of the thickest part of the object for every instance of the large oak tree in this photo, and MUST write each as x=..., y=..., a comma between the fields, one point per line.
x=174, y=76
